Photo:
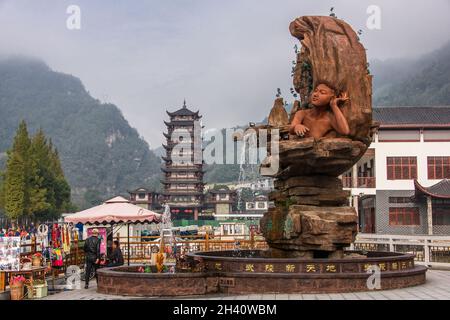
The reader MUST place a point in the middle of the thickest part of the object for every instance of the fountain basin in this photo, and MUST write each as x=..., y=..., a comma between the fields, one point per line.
x=126, y=281
x=251, y=271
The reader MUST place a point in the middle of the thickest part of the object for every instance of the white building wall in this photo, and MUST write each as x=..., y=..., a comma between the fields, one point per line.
x=421, y=150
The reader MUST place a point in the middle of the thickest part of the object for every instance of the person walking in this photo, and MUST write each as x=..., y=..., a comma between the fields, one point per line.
x=92, y=255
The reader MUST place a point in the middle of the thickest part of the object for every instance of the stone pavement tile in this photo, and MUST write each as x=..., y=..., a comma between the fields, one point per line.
x=282, y=296
x=392, y=296
x=307, y=296
x=439, y=292
x=420, y=293
x=241, y=297
x=228, y=298
x=295, y=296
x=363, y=296
x=323, y=296
x=350, y=296
x=254, y=296
x=407, y=296
x=376, y=295
x=336, y=296
x=268, y=296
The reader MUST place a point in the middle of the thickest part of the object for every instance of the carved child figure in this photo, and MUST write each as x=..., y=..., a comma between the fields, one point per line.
x=324, y=117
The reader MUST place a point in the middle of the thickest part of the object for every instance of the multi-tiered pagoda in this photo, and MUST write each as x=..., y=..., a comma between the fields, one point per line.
x=183, y=169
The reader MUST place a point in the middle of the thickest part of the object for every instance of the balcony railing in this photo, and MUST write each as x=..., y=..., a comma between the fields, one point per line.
x=366, y=182
x=347, y=182
x=362, y=182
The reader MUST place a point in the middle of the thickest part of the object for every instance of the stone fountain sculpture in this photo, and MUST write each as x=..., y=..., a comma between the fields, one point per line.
x=329, y=129
x=312, y=217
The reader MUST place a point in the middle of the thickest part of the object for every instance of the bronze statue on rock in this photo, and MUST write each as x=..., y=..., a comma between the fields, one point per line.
x=330, y=129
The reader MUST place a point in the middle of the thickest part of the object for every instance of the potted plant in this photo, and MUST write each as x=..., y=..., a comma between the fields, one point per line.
x=37, y=259
x=17, y=287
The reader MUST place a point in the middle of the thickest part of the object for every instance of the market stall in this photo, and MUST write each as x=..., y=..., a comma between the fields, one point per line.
x=116, y=212
x=21, y=271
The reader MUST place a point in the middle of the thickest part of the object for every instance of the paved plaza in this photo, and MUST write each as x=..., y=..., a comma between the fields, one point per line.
x=437, y=287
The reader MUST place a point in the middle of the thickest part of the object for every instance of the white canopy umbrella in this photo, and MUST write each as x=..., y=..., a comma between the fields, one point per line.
x=117, y=210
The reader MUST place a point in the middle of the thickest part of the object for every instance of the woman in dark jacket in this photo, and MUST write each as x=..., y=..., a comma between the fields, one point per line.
x=116, y=257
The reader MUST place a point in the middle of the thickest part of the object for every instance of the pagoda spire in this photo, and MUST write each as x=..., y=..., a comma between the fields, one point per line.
x=184, y=104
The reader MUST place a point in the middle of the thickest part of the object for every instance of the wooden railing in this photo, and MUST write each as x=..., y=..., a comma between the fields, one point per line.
x=362, y=182
x=366, y=182
x=141, y=248
x=428, y=250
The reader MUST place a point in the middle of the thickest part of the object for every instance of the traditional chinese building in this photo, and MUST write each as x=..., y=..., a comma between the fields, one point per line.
x=183, y=169
x=145, y=198
x=221, y=199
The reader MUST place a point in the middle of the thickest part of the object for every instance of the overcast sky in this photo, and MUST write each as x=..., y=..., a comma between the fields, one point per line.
x=225, y=57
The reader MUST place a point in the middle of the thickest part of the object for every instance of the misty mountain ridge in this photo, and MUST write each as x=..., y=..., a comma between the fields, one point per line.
x=99, y=150
x=424, y=81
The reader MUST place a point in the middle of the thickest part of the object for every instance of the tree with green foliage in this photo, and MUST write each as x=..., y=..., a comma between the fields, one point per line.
x=16, y=184
x=51, y=190
x=34, y=186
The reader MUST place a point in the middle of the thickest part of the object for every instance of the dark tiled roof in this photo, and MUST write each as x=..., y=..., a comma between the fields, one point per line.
x=412, y=115
x=184, y=111
x=442, y=188
x=180, y=123
x=438, y=190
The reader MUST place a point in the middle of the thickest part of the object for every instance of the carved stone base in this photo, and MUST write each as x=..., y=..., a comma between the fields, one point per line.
x=322, y=230
x=315, y=190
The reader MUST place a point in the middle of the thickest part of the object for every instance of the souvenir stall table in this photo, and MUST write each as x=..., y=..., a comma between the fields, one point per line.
x=31, y=277
x=19, y=271
x=9, y=258
x=115, y=212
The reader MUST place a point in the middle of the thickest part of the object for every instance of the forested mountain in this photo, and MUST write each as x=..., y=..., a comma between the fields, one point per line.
x=420, y=82
x=101, y=154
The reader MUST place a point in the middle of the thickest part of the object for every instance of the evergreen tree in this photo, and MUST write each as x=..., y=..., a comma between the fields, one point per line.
x=2, y=192
x=51, y=188
x=16, y=185
x=34, y=185
x=41, y=195
x=61, y=186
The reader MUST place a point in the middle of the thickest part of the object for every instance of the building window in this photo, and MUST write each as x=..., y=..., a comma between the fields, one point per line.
x=141, y=195
x=398, y=135
x=261, y=205
x=404, y=216
x=441, y=215
x=400, y=200
x=436, y=135
x=438, y=167
x=401, y=168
